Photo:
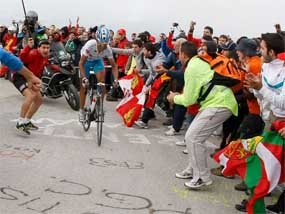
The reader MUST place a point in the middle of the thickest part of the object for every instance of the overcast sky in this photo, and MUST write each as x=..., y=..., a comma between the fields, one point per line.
x=234, y=17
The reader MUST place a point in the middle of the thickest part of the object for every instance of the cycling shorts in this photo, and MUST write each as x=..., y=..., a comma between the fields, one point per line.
x=94, y=67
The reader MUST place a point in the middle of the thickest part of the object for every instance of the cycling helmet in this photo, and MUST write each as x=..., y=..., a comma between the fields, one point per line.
x=103, y=34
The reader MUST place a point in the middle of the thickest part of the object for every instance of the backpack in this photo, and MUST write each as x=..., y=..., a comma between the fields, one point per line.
x=226, y=73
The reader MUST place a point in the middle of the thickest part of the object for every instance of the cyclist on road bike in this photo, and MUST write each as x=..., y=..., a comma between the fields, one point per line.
x=92, y=55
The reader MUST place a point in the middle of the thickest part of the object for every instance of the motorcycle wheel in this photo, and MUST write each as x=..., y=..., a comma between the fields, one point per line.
x=72, y=97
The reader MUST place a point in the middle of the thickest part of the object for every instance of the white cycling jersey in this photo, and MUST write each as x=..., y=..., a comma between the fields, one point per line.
x=90, y=50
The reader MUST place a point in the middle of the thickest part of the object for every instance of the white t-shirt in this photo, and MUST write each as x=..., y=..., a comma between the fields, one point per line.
x=90, y=50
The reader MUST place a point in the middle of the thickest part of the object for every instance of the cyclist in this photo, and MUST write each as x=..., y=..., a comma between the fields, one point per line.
x=92, y=54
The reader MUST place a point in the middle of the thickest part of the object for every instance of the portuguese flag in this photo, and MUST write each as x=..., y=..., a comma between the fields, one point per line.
x=259, y=161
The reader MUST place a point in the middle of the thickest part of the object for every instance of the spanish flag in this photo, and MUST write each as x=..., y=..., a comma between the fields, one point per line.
x=132, y=104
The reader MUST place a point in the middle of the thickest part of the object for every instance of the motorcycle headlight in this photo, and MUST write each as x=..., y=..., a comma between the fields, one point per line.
x=64, y=63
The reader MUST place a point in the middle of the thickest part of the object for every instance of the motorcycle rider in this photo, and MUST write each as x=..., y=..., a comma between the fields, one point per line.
x=92, y=55
x=35, y=60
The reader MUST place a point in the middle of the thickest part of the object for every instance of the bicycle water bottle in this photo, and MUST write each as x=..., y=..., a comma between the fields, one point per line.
x=93, y=103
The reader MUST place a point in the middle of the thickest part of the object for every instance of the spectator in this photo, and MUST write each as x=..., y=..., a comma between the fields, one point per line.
x=135, y=62
x=173, y=68
x=133, y=36
x=219, y=105
x=3, y=31
x=152, y=59
x=223, y=39
x=208, y=31
x=269, y=89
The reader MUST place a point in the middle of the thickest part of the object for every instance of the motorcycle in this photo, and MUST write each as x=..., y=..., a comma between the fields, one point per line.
x=57, y=77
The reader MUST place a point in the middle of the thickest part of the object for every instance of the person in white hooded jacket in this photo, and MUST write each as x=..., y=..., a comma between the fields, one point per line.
x=269, y=88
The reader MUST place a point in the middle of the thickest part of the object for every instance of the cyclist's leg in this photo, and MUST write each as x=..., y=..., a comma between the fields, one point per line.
x=82, y=94
x=99, y=70
x=100, y=76
x=88, y=66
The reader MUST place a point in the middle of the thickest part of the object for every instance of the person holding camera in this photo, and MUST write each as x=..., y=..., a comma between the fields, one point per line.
x=208, y=32
x=282, y=33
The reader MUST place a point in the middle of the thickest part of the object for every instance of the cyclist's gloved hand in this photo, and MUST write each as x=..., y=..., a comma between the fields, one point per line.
x=85, y=82
x=116, y=84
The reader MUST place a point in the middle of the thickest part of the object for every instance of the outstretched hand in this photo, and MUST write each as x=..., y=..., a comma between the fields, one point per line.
x=160, y=69
x=253, y=81
x=171, y=95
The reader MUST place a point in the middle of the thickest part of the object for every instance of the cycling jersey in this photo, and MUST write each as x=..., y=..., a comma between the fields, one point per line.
x=94, y=58
x=90, y=50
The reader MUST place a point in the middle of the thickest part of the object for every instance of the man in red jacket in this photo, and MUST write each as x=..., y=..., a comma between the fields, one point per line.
x=208, y=31
x=122, y=59
x=35, y=60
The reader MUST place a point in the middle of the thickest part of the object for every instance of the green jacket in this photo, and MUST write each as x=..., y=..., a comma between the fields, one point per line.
x=198, y=73
x=70, y=46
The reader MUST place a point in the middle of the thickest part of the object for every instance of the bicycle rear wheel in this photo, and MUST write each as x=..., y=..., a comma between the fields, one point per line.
x=99, y=118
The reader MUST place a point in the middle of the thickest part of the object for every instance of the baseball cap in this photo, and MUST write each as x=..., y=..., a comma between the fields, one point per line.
x=247, y=46
x=121, y=31
x=229, y=46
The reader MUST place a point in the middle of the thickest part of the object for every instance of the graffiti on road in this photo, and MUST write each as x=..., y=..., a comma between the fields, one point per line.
x=21, y=152
x=102, y=162
x=61, y=191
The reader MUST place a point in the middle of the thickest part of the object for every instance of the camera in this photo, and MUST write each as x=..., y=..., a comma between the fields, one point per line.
x=175, y=24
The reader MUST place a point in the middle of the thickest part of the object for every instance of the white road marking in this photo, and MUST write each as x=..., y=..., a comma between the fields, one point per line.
x=137, y=138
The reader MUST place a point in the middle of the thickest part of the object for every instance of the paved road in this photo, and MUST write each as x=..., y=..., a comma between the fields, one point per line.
x=61, y=170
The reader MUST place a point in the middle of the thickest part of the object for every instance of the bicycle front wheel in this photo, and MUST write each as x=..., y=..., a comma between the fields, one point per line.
x=99, y=119
x=87, y=122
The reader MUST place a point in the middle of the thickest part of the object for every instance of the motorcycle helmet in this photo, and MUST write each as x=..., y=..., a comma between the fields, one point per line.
x=12, y=28
x=103, y=34
x=32, y=17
